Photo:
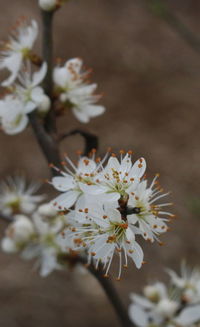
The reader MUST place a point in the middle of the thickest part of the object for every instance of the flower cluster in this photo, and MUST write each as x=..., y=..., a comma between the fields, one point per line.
x=107, y=204
x=23, y=93
x=35, y=229
x=175, y=305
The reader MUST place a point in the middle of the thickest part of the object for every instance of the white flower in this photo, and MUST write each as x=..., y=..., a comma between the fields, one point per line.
x=188, y=282
x=120, y=177
x=13, y=117
x=18, y=234
x=74, y=89
x=102, y=232
x=70, y=183
x=28, y=91
x=26, y=97
x=111, y=183
x=48, y=5
x=17, y=49
x=17, y=197
x=45, y=245
x=156, y=310
x=148, y=216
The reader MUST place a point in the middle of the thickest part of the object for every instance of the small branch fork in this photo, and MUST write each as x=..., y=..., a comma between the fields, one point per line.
x=46, y=135
x=91, y=140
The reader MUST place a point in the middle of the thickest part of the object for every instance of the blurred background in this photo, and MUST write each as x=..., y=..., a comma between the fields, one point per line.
x=150, y=78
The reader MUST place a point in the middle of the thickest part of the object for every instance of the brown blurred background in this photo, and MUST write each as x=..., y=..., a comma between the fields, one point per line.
x=150, y=78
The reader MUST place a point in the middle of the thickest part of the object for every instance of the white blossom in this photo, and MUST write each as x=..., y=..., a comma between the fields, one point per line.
x=167, y=306
x=188, y=282
x=74, y=90
x=18, y=197
x=45, y=247
x=13, y=117
x=17, y=48
x=48, y=5
x=101, y=231
x=110, y=183
x=155, y=310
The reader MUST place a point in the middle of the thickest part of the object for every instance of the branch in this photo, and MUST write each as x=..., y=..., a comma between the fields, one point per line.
x=47, y=51
x=46, y=142
x=91, y=140
x=106, y=284
x=46, y=135
x=160, y=9
x=47, y=139
x=9, y=219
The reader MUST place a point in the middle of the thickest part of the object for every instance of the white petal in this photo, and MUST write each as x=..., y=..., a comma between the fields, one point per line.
x=94, y=110
x=86, y=165
x=13, y=64
x=141, y=301
x=138, y=168
x=138, y=316
x=63, y=184
x=113, y=163
x=80, y=115
x=66, y=200
x=90, y=189
x=39, y=75
x=189, y=316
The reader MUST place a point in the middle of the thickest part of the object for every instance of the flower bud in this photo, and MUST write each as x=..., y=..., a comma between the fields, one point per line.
x=48, y=5
x=8, y=245
x=44, y=105
x=47, y=210
x=151, y=292
x=20, y=230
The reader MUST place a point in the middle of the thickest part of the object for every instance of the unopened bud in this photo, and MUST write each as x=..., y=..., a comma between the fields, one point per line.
x=44, y=105
x=8, y=245
x=48, y=5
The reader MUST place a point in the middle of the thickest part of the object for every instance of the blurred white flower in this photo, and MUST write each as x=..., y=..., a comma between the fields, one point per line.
x=13, y=115
x=73, y=88
x=167, y=306
x=102, y=232
x=143, y=198
x=48, y=5
x=18, y=234
x=188, y=282
x=17, y=48
x=18, y=197
x=25, y=97
x=155, y=310
x=48, y=225
x=28, y=91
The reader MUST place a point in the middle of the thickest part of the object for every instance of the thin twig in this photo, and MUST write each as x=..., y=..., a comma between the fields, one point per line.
x=91, y=140
x=160, y=9
x=46, y=134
